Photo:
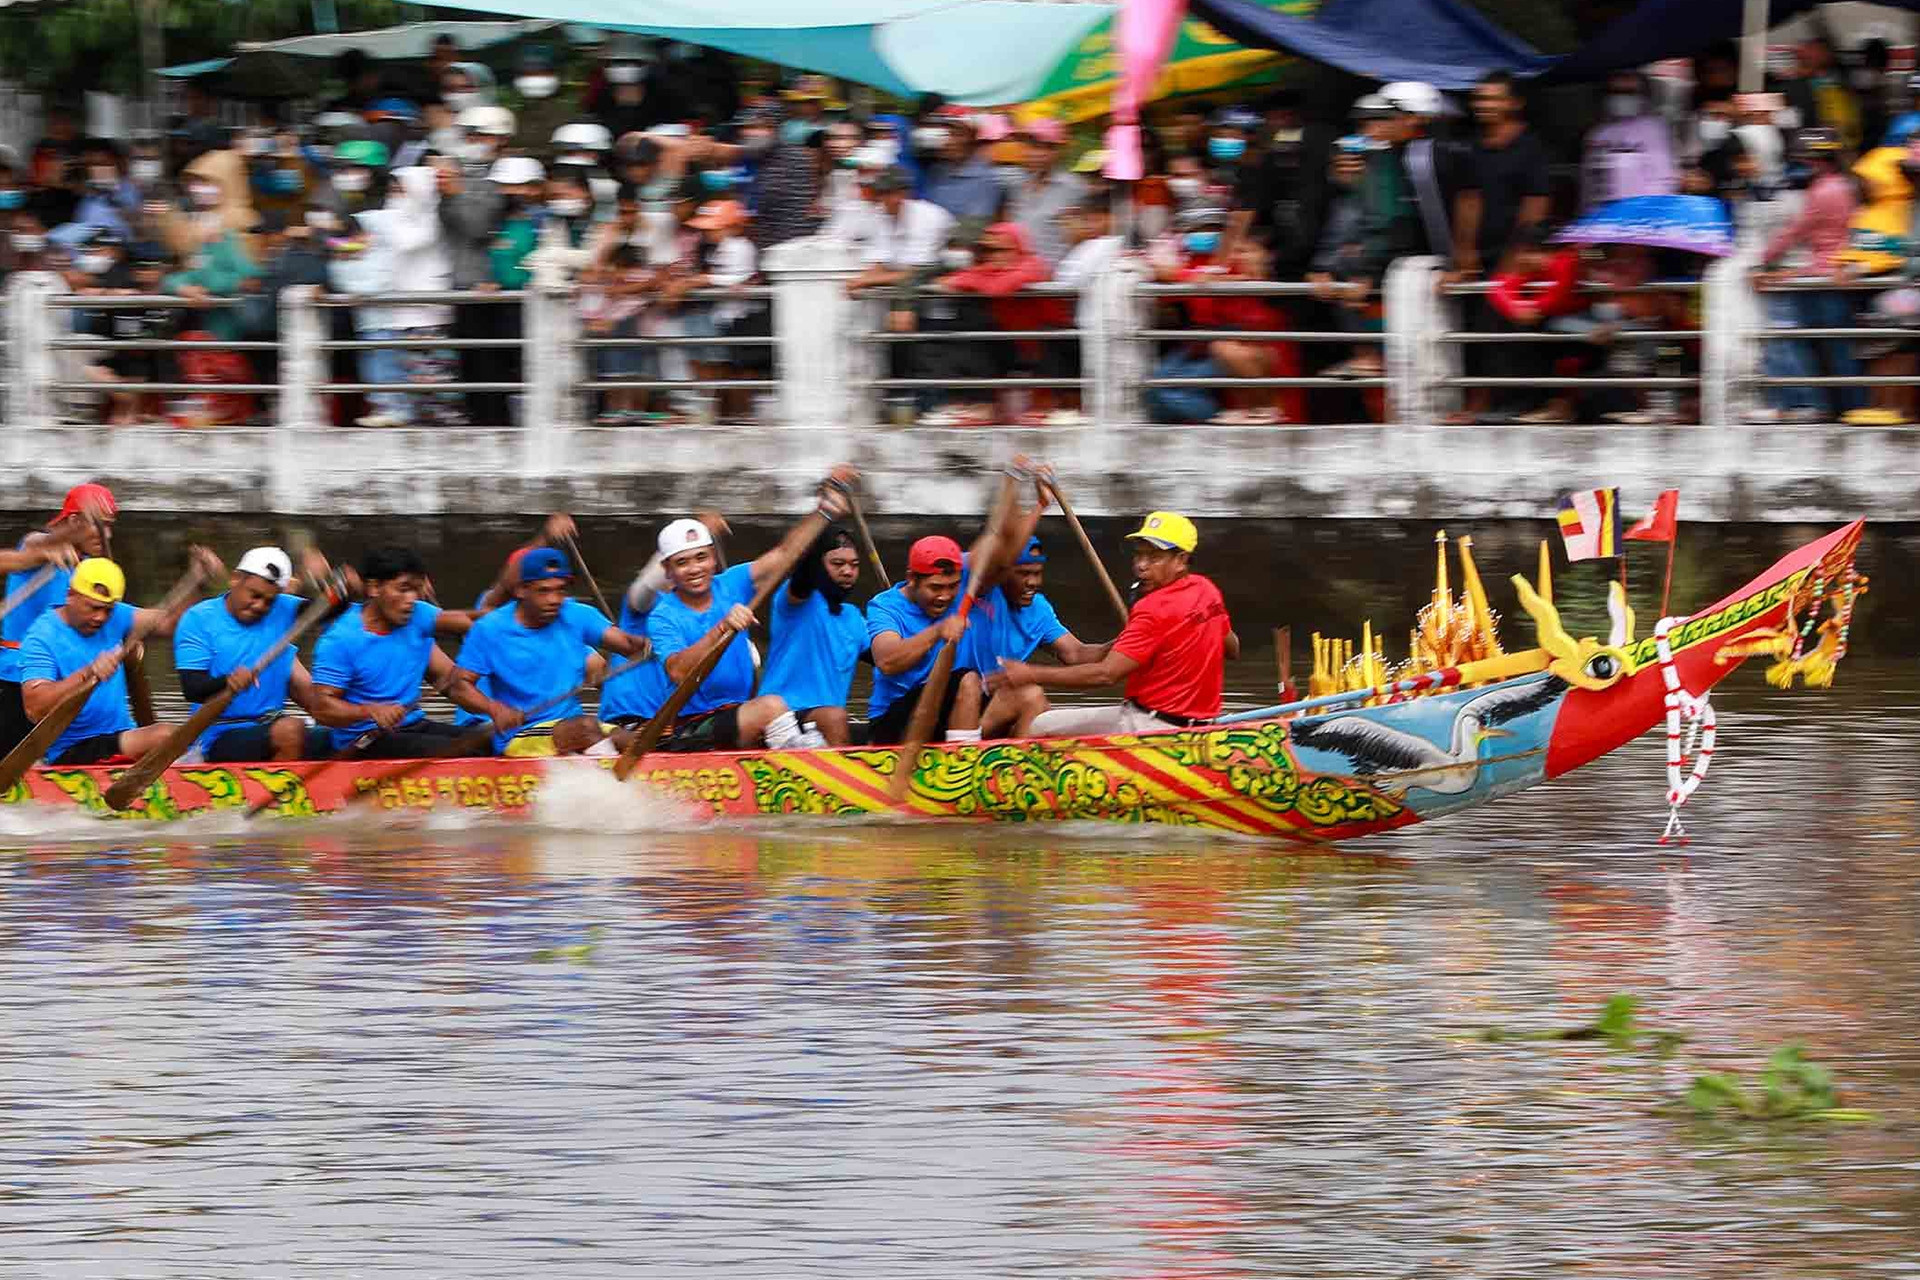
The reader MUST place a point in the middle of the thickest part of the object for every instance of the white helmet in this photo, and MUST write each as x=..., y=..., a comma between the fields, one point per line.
x=583, y=135
x=516, y=171
x=494, y=121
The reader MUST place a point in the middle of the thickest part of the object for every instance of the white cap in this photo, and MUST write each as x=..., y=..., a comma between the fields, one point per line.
x=1415, y=97
x=495, y=121
x=516, y=171
x=583, y=135
x=684, y=535
x=1373, y=104
x=271, y=563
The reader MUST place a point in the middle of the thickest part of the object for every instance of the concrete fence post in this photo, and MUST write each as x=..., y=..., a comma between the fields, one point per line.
x=1730, y=311
x=1415, y=358
x=1110, y=352
x=300, y=409
x=548, y=409
x=815, y=329
x=30, y=361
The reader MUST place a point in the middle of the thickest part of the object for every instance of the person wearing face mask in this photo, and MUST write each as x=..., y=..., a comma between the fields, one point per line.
x=540, y=100
x=358, y=178
x=400, y=250
x=1229, y=147
x=1820, y=232
x=283, y=182
x=962, y=180
x=109, y=202
x=809, y=101
x=469, y=208
x=1631, y=154
x=213, y=237
x=521, y=182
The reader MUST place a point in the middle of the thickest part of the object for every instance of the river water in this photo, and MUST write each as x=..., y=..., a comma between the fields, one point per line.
x=614, y=1040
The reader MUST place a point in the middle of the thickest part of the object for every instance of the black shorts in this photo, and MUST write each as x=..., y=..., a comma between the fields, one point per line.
x=424, y=738
x=715, y=730
x=890, y=727
x=14, y=725
x=253, y=742
x=101, y=746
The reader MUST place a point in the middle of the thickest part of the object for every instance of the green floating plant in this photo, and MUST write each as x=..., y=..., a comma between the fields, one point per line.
x=1792, y=1087
x=1616, y=1024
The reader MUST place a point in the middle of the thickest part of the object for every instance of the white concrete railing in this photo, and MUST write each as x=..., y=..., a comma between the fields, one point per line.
x=826, y=361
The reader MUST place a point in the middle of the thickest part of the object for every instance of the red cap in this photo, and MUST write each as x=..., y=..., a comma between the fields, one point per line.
x=933, y=555
x=93, y=495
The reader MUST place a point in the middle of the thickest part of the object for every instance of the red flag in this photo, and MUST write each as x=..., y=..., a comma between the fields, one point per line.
x=1660, y=523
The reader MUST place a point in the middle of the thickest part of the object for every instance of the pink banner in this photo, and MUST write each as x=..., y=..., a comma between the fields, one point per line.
x=1144, y=32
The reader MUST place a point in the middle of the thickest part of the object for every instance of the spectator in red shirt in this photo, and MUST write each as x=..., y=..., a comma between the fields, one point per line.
x=1537, y=282
x=1171, y=656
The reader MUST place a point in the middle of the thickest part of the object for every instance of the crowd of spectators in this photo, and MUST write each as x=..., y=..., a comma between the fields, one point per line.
x=656, y=179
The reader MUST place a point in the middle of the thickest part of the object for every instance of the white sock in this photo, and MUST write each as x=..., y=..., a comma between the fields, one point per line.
x=782, y=730
x=963, y=735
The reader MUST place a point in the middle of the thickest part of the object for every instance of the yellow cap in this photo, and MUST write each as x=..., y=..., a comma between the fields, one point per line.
x=99, y=579
x=1168, y=530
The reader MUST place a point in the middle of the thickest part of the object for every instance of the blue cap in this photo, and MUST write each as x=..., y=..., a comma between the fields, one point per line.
x=1032, y=554
x=544, y=562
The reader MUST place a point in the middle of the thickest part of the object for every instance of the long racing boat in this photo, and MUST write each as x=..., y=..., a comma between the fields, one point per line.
x=1381, y=749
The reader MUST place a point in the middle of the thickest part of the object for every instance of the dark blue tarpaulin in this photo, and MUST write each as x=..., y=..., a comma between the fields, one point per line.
x=1440, y=41
x=1668, y=29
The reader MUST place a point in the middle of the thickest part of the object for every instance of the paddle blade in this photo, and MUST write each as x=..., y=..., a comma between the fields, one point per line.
x=132, y=784
x=35, y=744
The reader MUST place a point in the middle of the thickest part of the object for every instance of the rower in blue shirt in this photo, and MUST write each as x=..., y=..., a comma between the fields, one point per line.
x=79, y=645
x=1010, y=622
x=38, y=572
x=369, y=666
x=218, y=645
x=703, y=614
x=818, y=637
x=523, y=657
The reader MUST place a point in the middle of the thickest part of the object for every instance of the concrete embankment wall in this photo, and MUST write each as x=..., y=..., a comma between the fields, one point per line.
x=1749, y=474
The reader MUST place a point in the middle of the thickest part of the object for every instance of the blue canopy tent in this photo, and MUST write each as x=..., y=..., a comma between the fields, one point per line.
x=1674, y=29
x=1441, y=42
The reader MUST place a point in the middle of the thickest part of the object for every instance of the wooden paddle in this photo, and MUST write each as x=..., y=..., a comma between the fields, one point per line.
x=139, y=689
x=866, y=538
x=573, y=549
x=788, y=554
x=1093, y=557
x=41, y=577
x=479, y=742
x=981, y=562
x=56, y=721
x=1283, y=662
x=130, y=785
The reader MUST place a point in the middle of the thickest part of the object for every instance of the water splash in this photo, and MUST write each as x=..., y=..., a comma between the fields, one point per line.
x=580, y=795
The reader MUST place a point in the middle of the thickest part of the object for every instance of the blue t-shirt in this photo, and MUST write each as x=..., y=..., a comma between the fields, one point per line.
x=212, y=640
x=53, y=651
x=371, y=666
x=14, y=627
x=997, y=632
x=893, y=611
x=673, y=626
x=640, y=691
x=525, y=668
x=811, y=660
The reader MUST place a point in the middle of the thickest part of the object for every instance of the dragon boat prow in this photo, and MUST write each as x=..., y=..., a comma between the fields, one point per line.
x=1767, y=617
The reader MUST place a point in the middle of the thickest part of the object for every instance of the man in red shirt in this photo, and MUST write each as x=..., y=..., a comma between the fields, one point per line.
x=1171, y=656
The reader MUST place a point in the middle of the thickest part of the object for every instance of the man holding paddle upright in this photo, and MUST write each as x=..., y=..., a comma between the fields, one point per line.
x=1171, y=656
x=37, y=581
x=82, y=645
x=702, y=622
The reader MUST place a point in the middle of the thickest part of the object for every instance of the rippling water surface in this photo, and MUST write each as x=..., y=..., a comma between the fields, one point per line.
x=610, y=1042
